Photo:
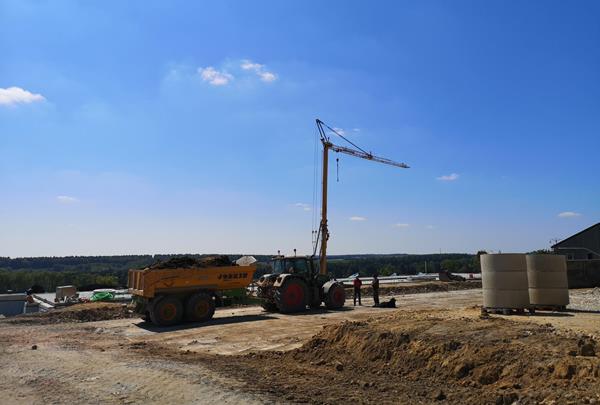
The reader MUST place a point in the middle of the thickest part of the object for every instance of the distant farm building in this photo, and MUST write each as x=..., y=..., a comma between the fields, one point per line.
x=584, y=245
x=583, y=257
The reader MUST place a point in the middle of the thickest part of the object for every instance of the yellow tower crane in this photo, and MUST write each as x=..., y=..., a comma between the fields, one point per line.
x=356, y=151
x=295, y=282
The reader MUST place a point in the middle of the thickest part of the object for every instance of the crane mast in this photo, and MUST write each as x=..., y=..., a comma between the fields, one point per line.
x=323, y=232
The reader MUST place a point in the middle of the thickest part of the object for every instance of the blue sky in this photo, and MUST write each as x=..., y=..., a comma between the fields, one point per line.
x=156, y=127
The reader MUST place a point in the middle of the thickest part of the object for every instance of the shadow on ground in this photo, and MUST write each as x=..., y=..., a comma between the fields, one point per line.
x=191, y=325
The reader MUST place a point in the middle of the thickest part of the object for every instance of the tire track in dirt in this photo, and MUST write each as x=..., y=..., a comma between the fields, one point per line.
x=54, y=375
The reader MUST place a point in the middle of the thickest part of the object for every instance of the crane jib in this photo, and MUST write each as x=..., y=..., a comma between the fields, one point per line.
x=323, y=232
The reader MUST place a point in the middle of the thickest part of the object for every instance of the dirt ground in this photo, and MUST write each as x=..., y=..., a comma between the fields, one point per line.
x=434, y=347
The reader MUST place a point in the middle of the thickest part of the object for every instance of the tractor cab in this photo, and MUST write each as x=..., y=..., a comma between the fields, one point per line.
x=304, y=266
x=295, y=283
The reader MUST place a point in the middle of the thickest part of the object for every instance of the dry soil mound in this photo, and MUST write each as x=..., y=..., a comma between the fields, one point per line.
x=419, y=287
x=421, y=359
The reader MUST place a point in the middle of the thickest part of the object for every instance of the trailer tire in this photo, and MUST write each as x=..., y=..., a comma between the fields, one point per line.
x=166, y=311
x=199, y=307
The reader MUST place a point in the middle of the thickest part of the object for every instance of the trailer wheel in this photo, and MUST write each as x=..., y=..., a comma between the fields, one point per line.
x=199, y=307
x=336, y=296
x=166, y=311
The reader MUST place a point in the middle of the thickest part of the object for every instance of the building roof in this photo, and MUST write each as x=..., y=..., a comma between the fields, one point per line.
x=577, y=234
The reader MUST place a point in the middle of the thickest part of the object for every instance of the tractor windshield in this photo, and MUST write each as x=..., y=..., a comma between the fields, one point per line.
x=278, y=266
x=292, y=266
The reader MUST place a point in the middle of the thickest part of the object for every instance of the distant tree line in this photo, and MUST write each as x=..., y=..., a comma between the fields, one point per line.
x=89, y=272
x=85, y=272
x=386, y=265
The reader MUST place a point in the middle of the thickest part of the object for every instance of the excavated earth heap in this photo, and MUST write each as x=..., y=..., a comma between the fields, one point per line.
x=421, y=358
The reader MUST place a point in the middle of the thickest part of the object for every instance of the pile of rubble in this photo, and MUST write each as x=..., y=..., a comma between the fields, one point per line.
x=88, y=312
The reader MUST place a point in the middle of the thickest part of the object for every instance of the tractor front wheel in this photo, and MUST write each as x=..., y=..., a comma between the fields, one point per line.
x=291, y=296
x=336, y=296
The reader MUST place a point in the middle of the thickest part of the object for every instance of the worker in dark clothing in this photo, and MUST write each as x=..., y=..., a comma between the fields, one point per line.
x=375, y=285
x=357, y=284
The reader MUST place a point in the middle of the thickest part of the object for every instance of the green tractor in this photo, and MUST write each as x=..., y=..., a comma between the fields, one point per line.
x=296, y=284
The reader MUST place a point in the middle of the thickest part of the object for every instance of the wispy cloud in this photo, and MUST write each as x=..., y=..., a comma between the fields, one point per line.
x=215, y=77
x=305, y=207
x=449, y=177
x=65, y=199
x=16, y=95
x=429, y=227
x=401, y=225
x=340, y=131
x=259, y=69
x=569, y=214
x=249, y=65
x=357, y=218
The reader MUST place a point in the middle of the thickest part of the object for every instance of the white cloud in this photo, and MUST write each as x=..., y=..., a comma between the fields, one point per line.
x=401, y=225
x=216, y=78
x=249, y=65
x=267, y=76
x=259, y=69
x=569, y=214
x=305, y=207
x=429, y=227
x=357, y=218
x=65, y=199
x=17, y=95
x=356, y=129
x=449, y=177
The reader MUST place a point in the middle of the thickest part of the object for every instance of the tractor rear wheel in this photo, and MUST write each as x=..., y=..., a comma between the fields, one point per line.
x=199, y=307
x=291, y=296
x=336, y=296
x=166, y=311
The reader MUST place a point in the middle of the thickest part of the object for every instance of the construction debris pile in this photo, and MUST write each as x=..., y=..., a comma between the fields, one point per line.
x=422, y=358
x=186, y=262
x=86, y=312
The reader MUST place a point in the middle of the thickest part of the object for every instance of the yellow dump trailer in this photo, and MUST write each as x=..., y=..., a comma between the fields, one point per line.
x=169, y=296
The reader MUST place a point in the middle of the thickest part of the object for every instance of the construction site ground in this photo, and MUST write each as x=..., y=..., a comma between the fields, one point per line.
x=434, y=348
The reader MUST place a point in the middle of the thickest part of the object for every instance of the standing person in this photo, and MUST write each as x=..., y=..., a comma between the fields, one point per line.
x=357, y=284
x=375, y=285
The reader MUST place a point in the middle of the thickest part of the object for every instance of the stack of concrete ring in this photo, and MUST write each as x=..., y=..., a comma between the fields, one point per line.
x=515, y=282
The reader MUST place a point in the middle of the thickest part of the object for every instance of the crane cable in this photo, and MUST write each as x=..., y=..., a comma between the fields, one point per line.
x=344, y=138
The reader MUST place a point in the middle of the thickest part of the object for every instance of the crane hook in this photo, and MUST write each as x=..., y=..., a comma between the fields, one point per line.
x=337, y=164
